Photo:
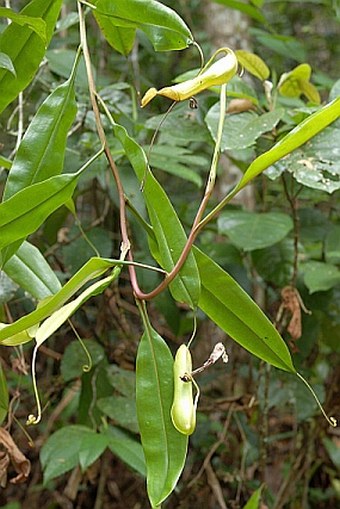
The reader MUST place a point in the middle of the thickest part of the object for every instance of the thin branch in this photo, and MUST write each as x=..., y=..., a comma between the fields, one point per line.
x=196, y=227
x=139, y=294
x=101, y=132
x=296, y=229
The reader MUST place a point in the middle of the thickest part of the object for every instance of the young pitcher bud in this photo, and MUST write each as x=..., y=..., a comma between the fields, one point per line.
x=218, y=73
x=183, y=411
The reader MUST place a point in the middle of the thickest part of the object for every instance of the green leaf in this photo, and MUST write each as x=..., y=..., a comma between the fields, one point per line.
x=282, y=44
x=163, y=26
x=311, y=126
x=251, y=230
x=254, y=501
x=301, y=72
x=25, y=48
x=17, y=339
x=180, y=127
x=95, y=267
x=241, y=130
x=5, y=162
x=120, y=38
x=126, y=448
x=122, y=380
x=316, y=164
x=74, y=358
x=4, y=397
x=250, y=10
x=61, y=61
x=164, y=447
x=319, y=276
x=310, y=91
x=42, y=150
x=53, y=322
x=121, y=409
x=68, y=447
x=296, y=82
x=92, y=446
x=25, y=211
x=231, y=308
x=238, y=88
x=6, y=63
x=7, y=288
x=29, y=269
x=253, y=64
x=68, y=20
x=168, y=230
x=177, y=161
x=38, y=25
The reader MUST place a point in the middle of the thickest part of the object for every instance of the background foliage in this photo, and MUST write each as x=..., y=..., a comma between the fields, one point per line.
x=257, y=426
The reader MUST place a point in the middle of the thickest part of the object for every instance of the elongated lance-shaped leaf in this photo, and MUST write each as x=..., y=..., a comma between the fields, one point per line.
x=29, y=269
x=92, y=269
x=164, y=447
x=53, y=322
x=25, y=48
x=20, y=338
x=231, y=308
x=163, y=26
x=42, y=149
x=26, y=210
x=167, y=227
x=303, y=132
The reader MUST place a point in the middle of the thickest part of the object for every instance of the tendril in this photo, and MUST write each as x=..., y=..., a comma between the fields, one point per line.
x=32, y=419
x=331, y=420
x=85, y=367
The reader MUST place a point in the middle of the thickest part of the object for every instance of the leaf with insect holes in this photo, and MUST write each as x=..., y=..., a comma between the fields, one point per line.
x=242, y=130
